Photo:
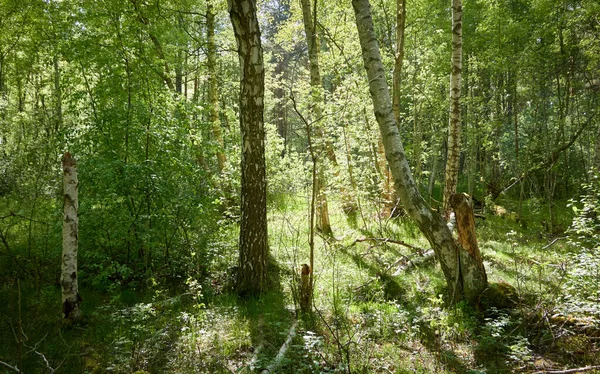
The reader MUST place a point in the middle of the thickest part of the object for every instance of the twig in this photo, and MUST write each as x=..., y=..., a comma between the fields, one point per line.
x=552, y=242
x=13, y=214
x=568, y=371
x=34, y=350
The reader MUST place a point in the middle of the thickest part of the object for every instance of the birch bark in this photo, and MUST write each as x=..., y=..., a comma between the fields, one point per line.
x=391, y=204
x=452, y=164
x=68, y=279
x=253, y=249
x=431, y=224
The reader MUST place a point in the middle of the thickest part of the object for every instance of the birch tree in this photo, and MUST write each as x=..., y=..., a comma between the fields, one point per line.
x=389, y=197
x=68, y=279
x=464, y=274
x=451, y=179
x=253, y=249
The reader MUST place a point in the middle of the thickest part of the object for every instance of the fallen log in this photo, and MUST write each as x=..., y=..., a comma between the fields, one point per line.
x=412, y=262
x=277, y=361
x=569, y=371
x=392, y=241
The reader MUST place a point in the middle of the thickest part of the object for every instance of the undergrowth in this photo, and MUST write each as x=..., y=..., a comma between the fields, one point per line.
x=379, y=307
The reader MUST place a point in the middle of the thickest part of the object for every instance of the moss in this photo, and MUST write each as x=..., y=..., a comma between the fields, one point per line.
x=500, y=295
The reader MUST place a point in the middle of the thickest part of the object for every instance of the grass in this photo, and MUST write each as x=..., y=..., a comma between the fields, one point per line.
x=369, y=316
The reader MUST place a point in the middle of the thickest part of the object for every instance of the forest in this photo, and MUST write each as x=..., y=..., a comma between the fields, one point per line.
x=299, y=186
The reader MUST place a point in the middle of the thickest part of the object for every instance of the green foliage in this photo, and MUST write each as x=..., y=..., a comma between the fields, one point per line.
x=583, y=277
x=158, y=233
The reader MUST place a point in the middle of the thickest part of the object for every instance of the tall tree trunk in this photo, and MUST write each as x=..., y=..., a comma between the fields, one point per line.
x=389, y=197
x=253, y=249
x=397, y=77
x=2, y=78
x=465, y=276
x=280, y=109
x=213, y=95
x=597, y=152
x=179, y=64
x=452, y=163
x=68, y=279
x=309, y=17
x=417, y=140
x=57, y=96
x=434, y=168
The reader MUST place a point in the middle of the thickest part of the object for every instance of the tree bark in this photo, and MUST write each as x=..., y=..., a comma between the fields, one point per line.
x=308, y=15
x=597, y=153
x=397, y=77
x=452, y=163
x=213, y=95
x=434, y=167
x=389, y=197
x=471, y=267
x=429, y=222
x=253, y=249
x=2, y=78
x=57, y=95
x=305, y=289
x=68, y=280
x=417, y=140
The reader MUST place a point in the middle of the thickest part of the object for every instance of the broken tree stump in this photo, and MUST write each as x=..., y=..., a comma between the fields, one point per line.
x=305, y=289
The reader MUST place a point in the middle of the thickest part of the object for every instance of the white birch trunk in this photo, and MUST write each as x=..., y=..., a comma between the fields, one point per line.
x=68, y=280
x=452, y=163
x=253, y=247
x=451, y=256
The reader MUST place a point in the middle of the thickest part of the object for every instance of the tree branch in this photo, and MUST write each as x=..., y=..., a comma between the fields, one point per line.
x=14, y=368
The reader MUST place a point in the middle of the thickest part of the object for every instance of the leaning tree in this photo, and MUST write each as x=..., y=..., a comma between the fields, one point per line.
x=462, y=267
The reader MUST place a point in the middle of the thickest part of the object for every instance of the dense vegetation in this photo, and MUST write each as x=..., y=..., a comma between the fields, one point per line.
x=146, y=97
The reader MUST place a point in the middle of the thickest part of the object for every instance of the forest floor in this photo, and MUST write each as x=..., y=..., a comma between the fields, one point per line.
x=379, y=308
